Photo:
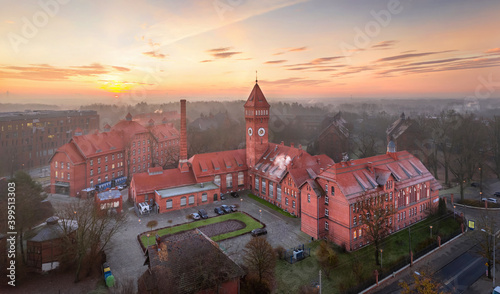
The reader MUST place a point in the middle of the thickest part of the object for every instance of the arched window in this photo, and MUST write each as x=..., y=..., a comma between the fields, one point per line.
x=183, y=201
x=217, y=180
x=271, y=189
x=263, y=186
x=256, y=184
x=191, y=199
x=204, y=197
x=229, y=181
x=169, y=203
x=241, y=179
x=278, y=193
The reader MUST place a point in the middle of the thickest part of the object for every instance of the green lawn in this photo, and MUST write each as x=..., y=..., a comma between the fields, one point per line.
x=249, y=222
x=290, y=277
x=270, y=205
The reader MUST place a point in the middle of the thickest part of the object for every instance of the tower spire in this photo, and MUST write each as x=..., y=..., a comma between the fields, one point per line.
x=256, y=77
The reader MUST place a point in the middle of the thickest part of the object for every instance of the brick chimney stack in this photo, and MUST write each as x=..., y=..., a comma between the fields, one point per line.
x=183, y=163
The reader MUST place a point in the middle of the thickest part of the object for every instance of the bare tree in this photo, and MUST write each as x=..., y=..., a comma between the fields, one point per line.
x=327, y=257
x=375, y=217
x=260, y=258
x=151, y=224
x=487, y=229
x=93, y=233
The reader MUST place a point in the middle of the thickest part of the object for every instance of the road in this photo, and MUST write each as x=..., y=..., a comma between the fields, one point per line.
x=462, y=272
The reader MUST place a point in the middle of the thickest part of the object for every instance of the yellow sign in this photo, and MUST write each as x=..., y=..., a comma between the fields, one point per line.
x=472, y=224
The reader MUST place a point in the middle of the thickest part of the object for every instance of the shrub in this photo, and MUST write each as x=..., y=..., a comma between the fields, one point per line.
x=280, y=252
x=442, y=206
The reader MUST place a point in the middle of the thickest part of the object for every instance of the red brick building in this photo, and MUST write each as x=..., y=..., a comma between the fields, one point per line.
x=102, y=160
x=109, y=201
x=28, y=139
x=323, y=193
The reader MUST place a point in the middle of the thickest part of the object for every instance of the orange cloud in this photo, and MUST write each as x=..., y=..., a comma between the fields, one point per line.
x=492, y=51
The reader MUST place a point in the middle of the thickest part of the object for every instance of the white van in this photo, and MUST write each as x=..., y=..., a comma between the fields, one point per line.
x=143, y=207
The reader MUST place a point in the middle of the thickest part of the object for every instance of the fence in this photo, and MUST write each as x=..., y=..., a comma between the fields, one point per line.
x=297, y=254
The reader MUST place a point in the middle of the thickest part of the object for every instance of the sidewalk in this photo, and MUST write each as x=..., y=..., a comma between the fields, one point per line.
x=432, y=263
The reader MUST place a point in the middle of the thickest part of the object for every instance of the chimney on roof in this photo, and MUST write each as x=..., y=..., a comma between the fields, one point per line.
x=128, y=117
x=183, y=163
x=282, y=143
x=292, y=144
x=300, y=146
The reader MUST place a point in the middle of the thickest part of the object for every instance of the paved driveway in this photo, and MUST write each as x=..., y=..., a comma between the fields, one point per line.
x=126, y=257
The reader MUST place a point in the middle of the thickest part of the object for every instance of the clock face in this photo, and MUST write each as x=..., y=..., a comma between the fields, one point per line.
x=261, y=132
x=250, y=131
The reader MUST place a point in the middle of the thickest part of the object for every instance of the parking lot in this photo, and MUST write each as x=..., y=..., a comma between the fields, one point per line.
x=126, y=257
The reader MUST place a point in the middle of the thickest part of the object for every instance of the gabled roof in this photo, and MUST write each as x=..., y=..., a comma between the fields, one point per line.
x=363, y=175
x=280, y=159
x=52, y=231
x=256, y=98
x=71, y=151
x=398, y=127
x=187, y=259
x=165, y=132
x=209, y=164
x=129, y=128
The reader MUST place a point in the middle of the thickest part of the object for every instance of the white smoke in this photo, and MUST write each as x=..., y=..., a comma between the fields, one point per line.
x=282, y=161
x=158, y=111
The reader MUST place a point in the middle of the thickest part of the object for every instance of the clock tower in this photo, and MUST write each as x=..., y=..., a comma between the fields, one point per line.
x=257, y=122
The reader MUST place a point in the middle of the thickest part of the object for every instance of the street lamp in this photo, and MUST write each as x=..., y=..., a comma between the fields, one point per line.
x=260, y=216
x=381, y=250
x=431, y=231
x=241, y=206
x=494, y=236
x=454, y=206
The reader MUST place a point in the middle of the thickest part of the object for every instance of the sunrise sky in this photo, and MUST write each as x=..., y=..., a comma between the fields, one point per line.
x=120, y=51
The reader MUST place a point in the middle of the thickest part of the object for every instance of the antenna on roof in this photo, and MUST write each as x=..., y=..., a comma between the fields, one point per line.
x=256, y=77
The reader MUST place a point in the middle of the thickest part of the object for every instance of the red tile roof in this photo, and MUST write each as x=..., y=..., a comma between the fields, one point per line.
x=358, y=176
x=210, y=164
x=165, y=132
x=146, y=183
x=72, y=152
x=98, y=143
x=256, y=98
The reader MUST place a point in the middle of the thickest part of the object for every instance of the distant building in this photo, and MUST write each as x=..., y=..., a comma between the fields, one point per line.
x=323, y=193
x=109, y=201
x=333, y=140
x=403, y=133
x=190, y=263
x=46, y=247
x=102, y=160
x=28, y=139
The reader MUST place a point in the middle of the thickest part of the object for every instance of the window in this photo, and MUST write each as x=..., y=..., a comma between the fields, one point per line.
x=67, y=165
x=256, y=184
x=359, y=233
x=56, y=164
x=326, y=211
x=264, y=186
x=56, y=174
x=229, y=180
x=217, y=180
x=106, y=178
x=99, y=180
x=183, y=201
x=91, y=172
x=308, y=197
x=326, y=200
x=113, y=166
x=191, y=199
x=98, y=170
x=293, y=203
x=278, y=193
x=204, y=197
x=326, y=226
x=112, y=157
x=333, y=191
x=286, y=201
x=390, y=196
x=91, y=182
x=326, y=188
x=106, y=159
x=99, y=160
x=169, y=203
x=354, y=235
x=106, y=168
x=68, y=176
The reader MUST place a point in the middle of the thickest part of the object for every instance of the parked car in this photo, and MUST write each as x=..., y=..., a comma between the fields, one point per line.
x=474, y=184
x=196, y=216
x=226, y=208
x=235, y=194
x=258, y=232
x=143, y=207
x=233, y=208
x=120, y=187
x=219, y=210
x=222, y=197
x=492, y=200
x=203, y=213
x=497, y=194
